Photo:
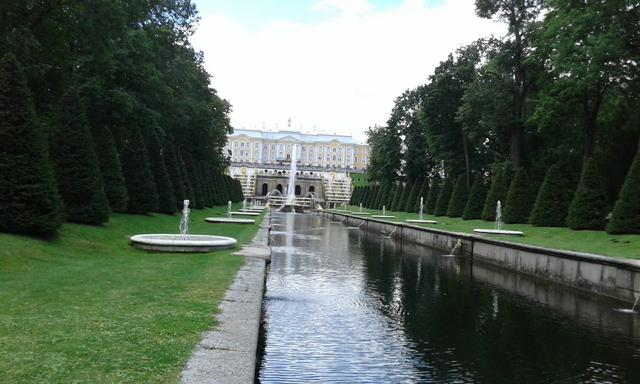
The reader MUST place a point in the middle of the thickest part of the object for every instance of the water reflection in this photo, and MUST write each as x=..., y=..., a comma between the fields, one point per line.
x=350, y=306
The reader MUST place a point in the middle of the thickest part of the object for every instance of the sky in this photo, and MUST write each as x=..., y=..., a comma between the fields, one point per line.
x=331, y=66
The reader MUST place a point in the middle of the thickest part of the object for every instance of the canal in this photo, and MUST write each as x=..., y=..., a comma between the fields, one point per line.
x=346, y=305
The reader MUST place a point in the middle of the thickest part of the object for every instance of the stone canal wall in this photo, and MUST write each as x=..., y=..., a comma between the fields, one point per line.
x=617, y=278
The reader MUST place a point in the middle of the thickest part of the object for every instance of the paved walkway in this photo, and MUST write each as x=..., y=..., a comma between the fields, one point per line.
x=227, y=354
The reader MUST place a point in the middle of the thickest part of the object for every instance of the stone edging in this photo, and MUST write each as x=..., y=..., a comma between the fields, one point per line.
x=227, y=354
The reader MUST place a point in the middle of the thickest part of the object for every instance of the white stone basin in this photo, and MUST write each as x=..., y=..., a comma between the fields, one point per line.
x=245, y=213
x=382, y=216
x=229, y=220
x=178, y=243
x=249, y=210
x=498, y=232
x=360, y=213
x=418, y=221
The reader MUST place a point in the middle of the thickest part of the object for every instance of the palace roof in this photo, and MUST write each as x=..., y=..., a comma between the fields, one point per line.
x=294, y=136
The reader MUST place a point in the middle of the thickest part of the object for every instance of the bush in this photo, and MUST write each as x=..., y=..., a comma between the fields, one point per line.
x=432, y=197
x=193, y=177
x=111, y=170
x=173, y=169
x=443, y=197
x=76, y=165
x=589, y=205
x=475, y=202
x=29, y=201
x=405, y=196
x=552, y=202
x=396, y=199
x=458, y=198
x=626, y=211
x=141, y=189
x=519, y=199
x=497, y=192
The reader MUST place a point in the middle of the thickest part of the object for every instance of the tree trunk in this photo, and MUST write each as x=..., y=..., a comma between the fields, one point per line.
x=467, y=160
x=591, y=124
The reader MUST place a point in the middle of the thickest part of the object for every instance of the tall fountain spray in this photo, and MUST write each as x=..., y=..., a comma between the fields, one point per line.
x=184, y=223
x=384, y=210
x=421, y=207
x=229, y=209
x=499, y=216
x=360, y=207
x=291, y=190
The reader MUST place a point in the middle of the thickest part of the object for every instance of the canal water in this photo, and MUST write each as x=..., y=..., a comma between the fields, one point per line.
x=346, y=305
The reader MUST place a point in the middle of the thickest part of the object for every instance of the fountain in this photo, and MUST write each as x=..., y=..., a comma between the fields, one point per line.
x=360, y=211
x=632, y=309
x=384, y=214
x=498, y=226
x=182, y=242
x=421, y=220
x=229, y=219
x=290, y=204
x=456, y=249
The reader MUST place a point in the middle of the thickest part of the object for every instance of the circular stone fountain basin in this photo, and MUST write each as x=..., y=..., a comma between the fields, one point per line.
x=382, y=216
x=229, y=220
x=498, y=232
x=179, y=243
x=418, y=221
x=245, y=213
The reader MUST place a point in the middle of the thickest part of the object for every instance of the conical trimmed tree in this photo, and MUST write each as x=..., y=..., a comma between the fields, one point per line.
x=29, y=201
x=396, y=199
x=411, y=197
x=194, y=180
x=111, y=170
x=189, y=194
x=141, y=188
x=458, y=198
x=443, y=197
x=497, y=192
x=424, y=192
x=519, y=199
x=552, y=202
x=475, y=202
x=173, y=169
x=626, y=211
x=166, y=197
x=76, y=165
x=391, y=196
x=589, y=205
x=432, y=197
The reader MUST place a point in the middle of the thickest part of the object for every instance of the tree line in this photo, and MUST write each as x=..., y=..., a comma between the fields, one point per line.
x=545, y=119
x=105, y=106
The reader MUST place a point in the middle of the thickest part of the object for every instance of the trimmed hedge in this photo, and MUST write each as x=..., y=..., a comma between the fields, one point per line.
x=626, y=211
x=519, y=199
x=458, y=198
x=552, y=203
x=443, y=197
x=432, y=197
x=497, y=192
x=589, y=205
x=475, y=202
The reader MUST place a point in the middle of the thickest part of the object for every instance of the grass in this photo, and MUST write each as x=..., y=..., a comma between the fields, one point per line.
x=598, y=242
x=87, y=307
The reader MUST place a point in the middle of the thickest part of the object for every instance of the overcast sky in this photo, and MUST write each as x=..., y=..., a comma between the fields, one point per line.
x=333, y=64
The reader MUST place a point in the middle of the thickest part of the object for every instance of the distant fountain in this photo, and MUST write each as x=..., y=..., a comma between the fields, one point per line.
x=291, y=190
x=499, y=216
x=182, y=242
x=421, y=220
x=229, y=209
x=384, y=214
x=498, y=225
x=384, y=210
x=360, y=208
x=233, y=220
x=244, y=204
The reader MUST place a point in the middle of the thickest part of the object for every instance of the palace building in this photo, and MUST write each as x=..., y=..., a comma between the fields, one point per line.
x=261, y=160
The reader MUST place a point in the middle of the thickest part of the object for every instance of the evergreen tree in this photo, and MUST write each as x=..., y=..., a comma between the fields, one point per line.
x=365, y=197
x=189, y=194
x=223, y=191
x=443, y=197
x=552, y=202
x=519, y=199
x=374, y=196
x=458, y=198
x=29, y=201
x=173, y=169
x=626, y=211
x=76, y=165
x=380, y=195
x=432, y=196
x=388, y=202
x=206, y=190
x=166, y=194
x=497, y=192
x=195, y=181
x=395, y=204
x=404, y=197
x=411, y=197
x=589, y=205
x=111, y=170
x=141, y=189
x=477, y=197
x=424, y=192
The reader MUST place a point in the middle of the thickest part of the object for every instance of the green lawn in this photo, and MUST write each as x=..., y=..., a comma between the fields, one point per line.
x=87, y=307
x=598, y=242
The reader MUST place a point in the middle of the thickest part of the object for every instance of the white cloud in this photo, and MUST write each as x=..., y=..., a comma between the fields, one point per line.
x=341, y=74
